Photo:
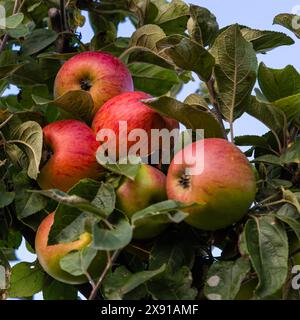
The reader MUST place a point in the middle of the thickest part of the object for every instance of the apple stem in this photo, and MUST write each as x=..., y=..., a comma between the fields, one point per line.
x=215, y=104
x=110, y=261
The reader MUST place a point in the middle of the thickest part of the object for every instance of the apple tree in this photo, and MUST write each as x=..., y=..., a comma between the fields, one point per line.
x=173, y=43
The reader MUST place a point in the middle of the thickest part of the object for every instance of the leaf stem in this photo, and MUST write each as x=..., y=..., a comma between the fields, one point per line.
x=110, y=261
x=215, y=104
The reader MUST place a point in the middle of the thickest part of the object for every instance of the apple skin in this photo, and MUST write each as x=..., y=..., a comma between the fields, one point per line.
x=226, y=187
x=50, y=255
x=128, y=107
x=101, y=74
x=73, y=145
x=149, y=187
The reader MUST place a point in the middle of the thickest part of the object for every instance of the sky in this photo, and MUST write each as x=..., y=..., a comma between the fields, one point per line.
x=256, y=14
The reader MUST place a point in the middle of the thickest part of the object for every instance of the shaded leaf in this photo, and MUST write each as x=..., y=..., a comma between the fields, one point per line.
x=290, y=106
x=290, y=215
x=289, y=21
x=59, y=291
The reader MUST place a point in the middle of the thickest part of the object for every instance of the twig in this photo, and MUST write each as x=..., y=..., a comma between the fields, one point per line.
x=109, y=264
x=216, y=108
x=5, y=38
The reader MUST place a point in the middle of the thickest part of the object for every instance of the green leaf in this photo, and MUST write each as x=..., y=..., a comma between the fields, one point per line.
x=126, y=167
x=290, y=106
x=224, y=279
x=192, y=116
x=278, y=83
x=105, y=198
x=173, y=251
x=172, y=17
x=121, y=281
x=27, y=203
x=77, y=104
x=202, y=25
x=235, y=71
x=8, y=70
x=268, y=114
x=59, y=291
x=290, y=216
x=77, y=263
x=264, y=41
x=147, y=76
x=251, y=140
x=292, y=197
x=13, y=21
x=6, y=198
x=188, y=55
x=38, y=40
x=26, y=280
x=269, y=158
x=112, y=239
x=29, y=138
x=289, y=21
x=267, y=244
x=173, y=285
x=292, y=154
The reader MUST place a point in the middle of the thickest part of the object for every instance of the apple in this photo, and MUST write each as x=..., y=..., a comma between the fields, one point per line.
x=101, y=74
x=128, y=108
x=225, y=187
x=149, y=187
x=70, y=155
x=50, y=255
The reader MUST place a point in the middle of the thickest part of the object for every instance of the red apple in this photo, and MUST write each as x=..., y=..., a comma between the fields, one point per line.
x=72, y=150
x=101, y=74
x=149, y=187
x=226, y=186
x=50, y=255
x=128, y=108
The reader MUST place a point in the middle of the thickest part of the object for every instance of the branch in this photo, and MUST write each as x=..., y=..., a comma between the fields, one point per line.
x=109, y=264
x=215, y=104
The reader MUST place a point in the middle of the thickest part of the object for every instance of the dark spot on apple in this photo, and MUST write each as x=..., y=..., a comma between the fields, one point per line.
x=85, y=84
x=185, y=181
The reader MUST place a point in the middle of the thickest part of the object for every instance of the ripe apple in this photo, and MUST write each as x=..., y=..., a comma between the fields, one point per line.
x=50, y=255
x=226, y=186
x=101, y=74
x=71, y=155
x=128, y=108
x=148, y=188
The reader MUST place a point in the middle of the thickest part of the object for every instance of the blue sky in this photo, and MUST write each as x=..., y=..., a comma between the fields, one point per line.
x=257, y=14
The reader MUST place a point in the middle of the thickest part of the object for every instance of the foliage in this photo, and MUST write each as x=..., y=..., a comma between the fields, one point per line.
x=172, y=40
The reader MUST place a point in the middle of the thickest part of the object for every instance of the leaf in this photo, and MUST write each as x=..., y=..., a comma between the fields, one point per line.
x=188, y=55
x=264, y=41
x=59, y=291
x=8, y=70
x=13, y=21
x=235, y=71
x=77, y=263
x=3, y=284
x=269, y=158
x=173, y=251
x=292, y=154
x=267, y=244
x=290, y=216
x=147, y=76
x=172, y=17
x=105, y=198
x=121, y=281
x=278, y=83
x=38, y=40
x=127, y=167
x=26, y=280
x=6, y=198
x=195, y=99
x=27, y=203
x=202, y=25
x=29, y=137
x=224, y=279
x=269, y=115
x=118, y=237
x=77, y=104
x=251, y=140
x=289, y=21
x=191, y=116
x=290, y=106
x=292, y=197
x=173, y=286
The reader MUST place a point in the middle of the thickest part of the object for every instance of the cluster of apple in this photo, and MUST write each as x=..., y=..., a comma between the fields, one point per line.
x=224, y=189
